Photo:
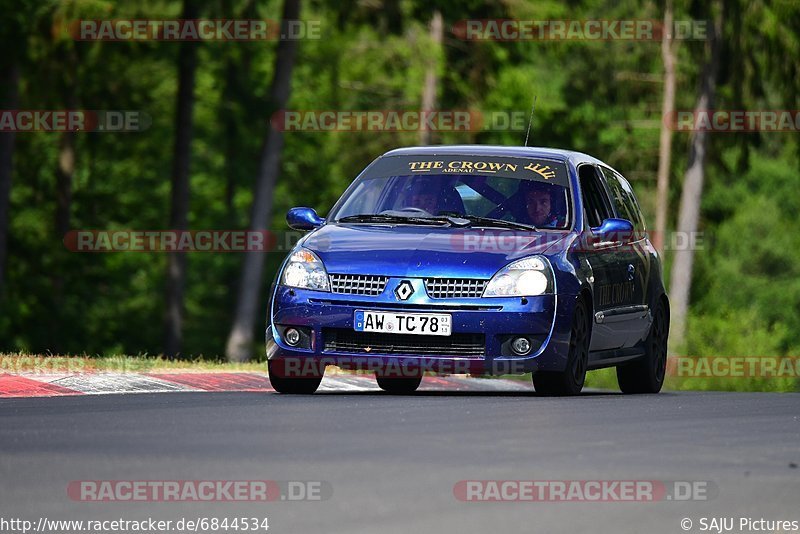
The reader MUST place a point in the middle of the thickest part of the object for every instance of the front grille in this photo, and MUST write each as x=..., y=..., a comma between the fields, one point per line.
x=358, y=284
x=442, y=307
x=452, y=288
x=346, y=340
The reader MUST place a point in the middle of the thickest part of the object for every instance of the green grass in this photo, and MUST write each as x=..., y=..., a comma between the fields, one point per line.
x=607, y=379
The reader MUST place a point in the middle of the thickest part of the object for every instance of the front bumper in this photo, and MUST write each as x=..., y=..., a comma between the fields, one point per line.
x=544, y=319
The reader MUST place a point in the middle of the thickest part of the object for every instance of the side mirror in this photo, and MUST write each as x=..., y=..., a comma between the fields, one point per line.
x=614, y=231
x=303, y=219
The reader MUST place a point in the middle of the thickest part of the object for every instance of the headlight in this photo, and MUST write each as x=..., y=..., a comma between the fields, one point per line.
x=305, y=270
x=527, y=277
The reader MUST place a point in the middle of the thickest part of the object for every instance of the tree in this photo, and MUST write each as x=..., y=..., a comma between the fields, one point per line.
x=10, y=100
x=179, y=204
x=65, y=55
x=240, y=340
x=665, y=139
x=13, y=39
x=431, y=75
x=691, y=196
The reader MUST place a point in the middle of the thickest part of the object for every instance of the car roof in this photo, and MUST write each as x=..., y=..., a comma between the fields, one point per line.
x=495, y=150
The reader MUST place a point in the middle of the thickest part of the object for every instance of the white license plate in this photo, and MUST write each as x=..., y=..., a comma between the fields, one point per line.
x=427, y=324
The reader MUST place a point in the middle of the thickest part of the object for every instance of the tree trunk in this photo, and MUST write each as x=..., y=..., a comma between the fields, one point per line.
x=689, y=215
x=240, y=340
x=179, y=203
x=431, y=75
x=65, y=172
x=9, y=92
x=665, y=140
x=64, y=175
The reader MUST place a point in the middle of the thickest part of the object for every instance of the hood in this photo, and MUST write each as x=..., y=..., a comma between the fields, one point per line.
x=415, y=251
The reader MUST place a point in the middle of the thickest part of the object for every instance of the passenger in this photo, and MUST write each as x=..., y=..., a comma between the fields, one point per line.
x=538, y=198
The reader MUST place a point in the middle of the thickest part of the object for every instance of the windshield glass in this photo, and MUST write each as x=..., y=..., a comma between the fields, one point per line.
x=533, y=192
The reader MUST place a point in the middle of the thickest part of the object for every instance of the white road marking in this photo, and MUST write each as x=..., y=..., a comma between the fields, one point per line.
x=98, y=383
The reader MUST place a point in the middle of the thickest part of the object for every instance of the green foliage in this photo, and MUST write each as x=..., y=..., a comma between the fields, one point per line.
x=747, y=280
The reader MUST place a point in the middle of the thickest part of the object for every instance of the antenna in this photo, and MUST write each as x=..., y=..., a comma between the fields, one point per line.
x=530, y=120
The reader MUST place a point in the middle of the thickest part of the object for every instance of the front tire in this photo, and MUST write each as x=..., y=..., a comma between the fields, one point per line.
x=402, y=386
x=571, y=380
x=294, y=385
x=646, y=375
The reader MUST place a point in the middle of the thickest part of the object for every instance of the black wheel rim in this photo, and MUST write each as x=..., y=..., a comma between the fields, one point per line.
x=578, y=346
x=658, y=345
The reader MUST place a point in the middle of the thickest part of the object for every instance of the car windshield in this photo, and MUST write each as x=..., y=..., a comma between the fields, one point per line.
x=527, y=192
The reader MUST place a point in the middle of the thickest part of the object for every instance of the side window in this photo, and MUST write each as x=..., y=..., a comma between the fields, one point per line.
x=596, y=205
x=624, y=199
x=633, y=205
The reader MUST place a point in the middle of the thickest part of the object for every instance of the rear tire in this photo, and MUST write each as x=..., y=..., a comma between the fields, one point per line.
x=295, y=385
x=646, y=375
x=571, y=380
x=399, y=386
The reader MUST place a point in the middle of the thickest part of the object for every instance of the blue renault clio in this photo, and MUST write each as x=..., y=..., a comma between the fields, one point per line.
x=473, y=259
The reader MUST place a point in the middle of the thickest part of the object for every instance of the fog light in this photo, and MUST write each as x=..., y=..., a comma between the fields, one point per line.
x=292, y=336
x=521, y=345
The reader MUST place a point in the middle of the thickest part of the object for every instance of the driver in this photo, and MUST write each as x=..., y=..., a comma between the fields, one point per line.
x=422, y=195
x=424, y=200
x=538, y=200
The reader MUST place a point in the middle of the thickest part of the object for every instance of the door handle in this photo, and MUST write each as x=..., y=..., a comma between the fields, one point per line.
x=631, y=272
x=602, y=244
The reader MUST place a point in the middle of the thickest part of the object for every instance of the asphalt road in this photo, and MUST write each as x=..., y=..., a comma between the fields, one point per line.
x=392, y=462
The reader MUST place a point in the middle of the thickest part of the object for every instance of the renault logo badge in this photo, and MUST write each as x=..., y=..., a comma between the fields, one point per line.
x=403, y=290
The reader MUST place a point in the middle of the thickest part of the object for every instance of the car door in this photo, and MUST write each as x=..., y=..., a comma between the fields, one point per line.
x=631, y=313
x=602, y=257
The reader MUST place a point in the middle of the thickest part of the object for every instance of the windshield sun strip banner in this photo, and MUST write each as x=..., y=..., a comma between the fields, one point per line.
x=544, y=170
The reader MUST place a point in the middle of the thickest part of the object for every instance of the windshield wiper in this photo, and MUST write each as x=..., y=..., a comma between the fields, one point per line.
x=458, y=220
x=378, y=218
x=497, y=223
